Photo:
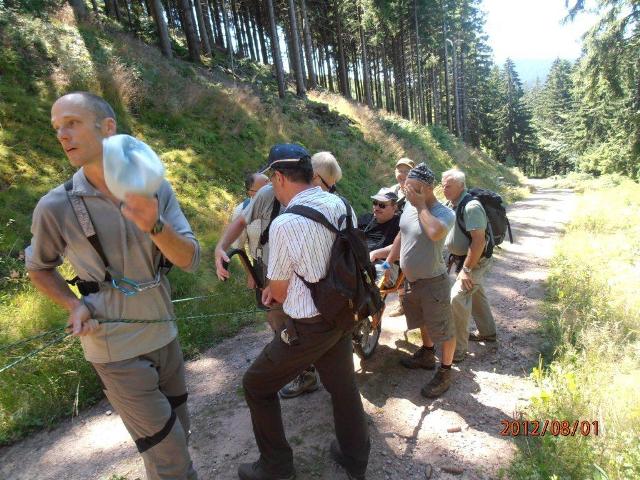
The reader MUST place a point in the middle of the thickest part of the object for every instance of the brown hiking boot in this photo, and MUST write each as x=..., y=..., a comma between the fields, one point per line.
x=476, y=337
x=439, y=384
x=423, y=358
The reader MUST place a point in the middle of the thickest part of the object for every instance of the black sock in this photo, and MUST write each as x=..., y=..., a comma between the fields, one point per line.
x=446, y=367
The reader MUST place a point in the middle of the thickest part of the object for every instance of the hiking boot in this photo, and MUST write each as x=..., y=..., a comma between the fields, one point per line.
x=459, y=357
x=439, y=384
x=340, y=459
x=306, y=382
x=423, y=358
x=476, y=337
x=396, y=311
x=255, y=471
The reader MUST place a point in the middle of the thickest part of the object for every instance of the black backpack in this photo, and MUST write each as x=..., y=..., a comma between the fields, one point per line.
x=348, y=293
x=497, y=222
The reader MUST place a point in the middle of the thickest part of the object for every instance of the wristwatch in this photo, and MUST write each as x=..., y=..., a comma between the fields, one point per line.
x=157, y=227
x=466, y=269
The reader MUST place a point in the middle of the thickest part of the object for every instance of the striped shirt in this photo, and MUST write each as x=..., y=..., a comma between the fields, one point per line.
x=301, y=246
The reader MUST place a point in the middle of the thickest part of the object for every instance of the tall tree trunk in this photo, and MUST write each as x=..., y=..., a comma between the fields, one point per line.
x=246, y=31
x=295, y=44
x=237, y=29
x=313, y=81
x=356, y=77
x=79, y=9
x=385, y=77
x=446, y=80
x=253, y=28
x=419, y=66
x=189, y=30
x=437, y=100
x=261, y=36
x=208, y=24
x=379, y=98
x=327, y=59
x=275, y=49
x=342, y=64
x=204, y=39
x=163, y=32
x=322, y=77
x=365, y=62
x=94, y=5
x=220, y=30
x=227, y=30
x=302, y=47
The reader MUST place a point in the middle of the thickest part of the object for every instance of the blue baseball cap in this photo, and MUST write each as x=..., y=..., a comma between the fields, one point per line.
x=286, y=155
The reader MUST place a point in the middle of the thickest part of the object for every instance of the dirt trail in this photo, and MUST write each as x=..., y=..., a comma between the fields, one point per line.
x=409, y=433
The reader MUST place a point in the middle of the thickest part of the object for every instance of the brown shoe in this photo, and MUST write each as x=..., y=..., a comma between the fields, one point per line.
x=397, y=311
x=423, y=358
x=476, y=337
x=439, y=384
x=459, y=357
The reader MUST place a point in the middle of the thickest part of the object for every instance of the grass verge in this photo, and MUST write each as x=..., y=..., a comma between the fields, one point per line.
x=593, y=322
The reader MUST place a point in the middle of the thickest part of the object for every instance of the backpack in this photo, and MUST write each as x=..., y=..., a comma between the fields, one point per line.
x=497, y=222
x=348, y=292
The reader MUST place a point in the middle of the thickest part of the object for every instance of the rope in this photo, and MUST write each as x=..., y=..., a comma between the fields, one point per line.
x=120, y=320
x=11, y=346
x=192, y=317
x=34, y=353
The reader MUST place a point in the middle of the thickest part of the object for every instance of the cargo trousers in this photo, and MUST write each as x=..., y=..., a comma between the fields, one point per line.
x=150, y=395
x=465, y=304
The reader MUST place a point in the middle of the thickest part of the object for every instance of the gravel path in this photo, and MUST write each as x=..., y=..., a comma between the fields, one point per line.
x=412, y=437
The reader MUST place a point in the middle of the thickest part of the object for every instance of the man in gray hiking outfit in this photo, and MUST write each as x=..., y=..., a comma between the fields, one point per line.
x=467, y=294
x=118, y=251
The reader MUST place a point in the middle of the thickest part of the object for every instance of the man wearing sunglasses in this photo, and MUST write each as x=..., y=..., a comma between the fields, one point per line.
x=140, y=364
x=250, y=237
x=264, y=208
x=380, y=228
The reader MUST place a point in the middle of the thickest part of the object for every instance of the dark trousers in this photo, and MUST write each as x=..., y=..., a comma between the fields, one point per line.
x=330, y=350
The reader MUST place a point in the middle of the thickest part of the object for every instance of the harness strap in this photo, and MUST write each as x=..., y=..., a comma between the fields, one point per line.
x=176, y=400
x=275, y=211
x=145, y=443
x=82, y=214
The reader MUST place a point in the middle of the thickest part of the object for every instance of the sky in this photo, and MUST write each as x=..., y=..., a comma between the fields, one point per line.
x=530, y=32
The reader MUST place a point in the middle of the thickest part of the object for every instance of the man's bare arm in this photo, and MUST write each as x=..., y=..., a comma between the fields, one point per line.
x=51, y=283
x=229, y=235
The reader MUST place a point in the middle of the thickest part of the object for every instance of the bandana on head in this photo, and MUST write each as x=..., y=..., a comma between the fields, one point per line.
x=423, y=173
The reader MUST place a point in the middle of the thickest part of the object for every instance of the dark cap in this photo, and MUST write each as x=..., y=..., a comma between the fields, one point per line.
x=423, y=173
x=286, y=155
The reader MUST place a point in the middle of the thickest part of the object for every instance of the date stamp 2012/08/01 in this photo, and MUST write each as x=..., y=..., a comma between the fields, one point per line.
x=557, y=428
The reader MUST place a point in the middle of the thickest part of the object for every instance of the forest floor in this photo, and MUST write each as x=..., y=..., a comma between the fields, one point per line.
x=455, y=436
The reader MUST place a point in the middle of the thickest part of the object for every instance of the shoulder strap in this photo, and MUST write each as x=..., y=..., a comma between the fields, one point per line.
x=349, y=214
x=245, y=203
x=460, y=214
x=275, y=211
x=82, y=214
x=312, y=214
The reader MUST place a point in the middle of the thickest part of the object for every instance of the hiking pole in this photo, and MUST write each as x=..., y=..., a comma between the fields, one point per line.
x=259, y=284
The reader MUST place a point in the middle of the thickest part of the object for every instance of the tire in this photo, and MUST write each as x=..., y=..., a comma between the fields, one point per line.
x=365, y=340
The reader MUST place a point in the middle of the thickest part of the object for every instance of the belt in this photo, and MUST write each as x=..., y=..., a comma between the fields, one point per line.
x=426, y=281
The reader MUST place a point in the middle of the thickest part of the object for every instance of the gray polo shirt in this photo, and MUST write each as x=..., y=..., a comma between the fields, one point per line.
x=475, y=218
x=130, y=252
x=421, y=257
x=260, y=209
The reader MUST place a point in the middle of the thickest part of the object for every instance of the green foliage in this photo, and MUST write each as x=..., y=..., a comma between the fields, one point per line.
x=593, y=322
x=207, y=133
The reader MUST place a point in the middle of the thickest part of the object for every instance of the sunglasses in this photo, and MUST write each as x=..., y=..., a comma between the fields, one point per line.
x=380, y=204
x=332, y=188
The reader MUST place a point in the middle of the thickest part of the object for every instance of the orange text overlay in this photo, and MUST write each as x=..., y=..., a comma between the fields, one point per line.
x=557, y=428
